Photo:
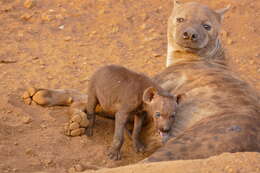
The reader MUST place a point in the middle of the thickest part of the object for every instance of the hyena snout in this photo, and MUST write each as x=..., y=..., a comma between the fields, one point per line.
x=190, y=34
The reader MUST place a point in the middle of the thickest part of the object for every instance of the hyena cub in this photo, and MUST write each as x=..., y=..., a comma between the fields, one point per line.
x=128, y=94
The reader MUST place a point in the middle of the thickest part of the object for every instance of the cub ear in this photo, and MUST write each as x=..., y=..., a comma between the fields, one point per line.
x=222, y=11
x=149, y=94
x=179, y=98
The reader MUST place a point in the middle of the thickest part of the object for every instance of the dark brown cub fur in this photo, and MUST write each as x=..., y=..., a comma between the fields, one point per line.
x=129, y=94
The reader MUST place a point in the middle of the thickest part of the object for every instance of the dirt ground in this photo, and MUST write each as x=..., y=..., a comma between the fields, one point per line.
x=224, y=163
x=59, y=43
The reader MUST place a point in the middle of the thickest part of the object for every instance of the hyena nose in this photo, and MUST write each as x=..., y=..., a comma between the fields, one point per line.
x=190, y=35
x=194, y=37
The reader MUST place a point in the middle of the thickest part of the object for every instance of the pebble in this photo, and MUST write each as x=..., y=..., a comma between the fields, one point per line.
x=29, y=3
x=72, y=170
x=143, y=26
x=46, y=17
x=84, y=122
x=68, y=38
x=224, y=34
x=28, y=151
x=230, y=41
x=61, y=27
x=74, y=126
x=77, y=132
x=76, y=168
x=26, y=16
x=79, y=167
x=76, y=118
x=59, y=16
x=48, y=161
x=26, y=120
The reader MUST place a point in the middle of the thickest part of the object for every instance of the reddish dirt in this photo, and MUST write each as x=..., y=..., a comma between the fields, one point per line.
x=59, y=43
x=224, y=163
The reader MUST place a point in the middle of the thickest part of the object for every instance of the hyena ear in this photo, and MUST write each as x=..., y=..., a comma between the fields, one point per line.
x=222, y=11
x=149, y=94
x=176, y=3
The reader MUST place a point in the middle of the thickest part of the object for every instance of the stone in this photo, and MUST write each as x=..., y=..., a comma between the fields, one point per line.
x=74, y=126
x=29, y=3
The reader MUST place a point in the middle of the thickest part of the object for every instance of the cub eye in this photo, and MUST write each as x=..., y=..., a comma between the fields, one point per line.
x=207, y=27
x=179, y=19
x=157, y=115
x=172, y=116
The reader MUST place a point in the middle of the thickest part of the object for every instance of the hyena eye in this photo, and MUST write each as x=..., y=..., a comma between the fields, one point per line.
x=207, y=27
x=180, y=19
x=157, y=114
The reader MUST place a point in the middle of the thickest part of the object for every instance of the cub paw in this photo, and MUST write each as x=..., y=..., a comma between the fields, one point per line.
x=139, y=147
x=114, y=155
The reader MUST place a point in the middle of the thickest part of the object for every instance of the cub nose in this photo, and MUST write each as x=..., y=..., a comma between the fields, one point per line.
x=190, y=34
x=165, y=129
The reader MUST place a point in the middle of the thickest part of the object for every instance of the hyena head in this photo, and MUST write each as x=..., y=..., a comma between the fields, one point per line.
x=194, y=28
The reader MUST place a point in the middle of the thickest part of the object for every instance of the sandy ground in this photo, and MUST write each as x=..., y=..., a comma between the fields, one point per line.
x=59, y=43
x=224, y=163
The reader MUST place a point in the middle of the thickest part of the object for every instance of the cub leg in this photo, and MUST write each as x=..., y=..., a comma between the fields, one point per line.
x=90, y=109
x=121, y=120
x=138, y=123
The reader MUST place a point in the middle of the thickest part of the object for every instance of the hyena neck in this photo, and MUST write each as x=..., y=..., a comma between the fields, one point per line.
x=216, y=52
x=213, y=53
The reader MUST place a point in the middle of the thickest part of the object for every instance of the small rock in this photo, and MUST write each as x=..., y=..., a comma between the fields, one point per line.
x=76, y=118
x=59, y=16
x=35, y=58
x=7, y=9
x=157, y=55
x=48, y=161
x=76, y=168
x=224, y=34
x=66, y=129
x=28, y=151
x=82, y=130
x=84, y=122
x=26, y=120
x=74, y=126
x=102, y=11
x=93, y=32
x=44, y=126
x=230, y=41
x=76, y=132
x=115, y=29
x=72, y=170
x=9, y=111
x=143, y=26
x=26, y=16
x=79, y=167
x=68, y=38
x=29, y=3
x=144, y=16
x=31, y=91
x=61, y=27
x=251, y=62
x=46, y=17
